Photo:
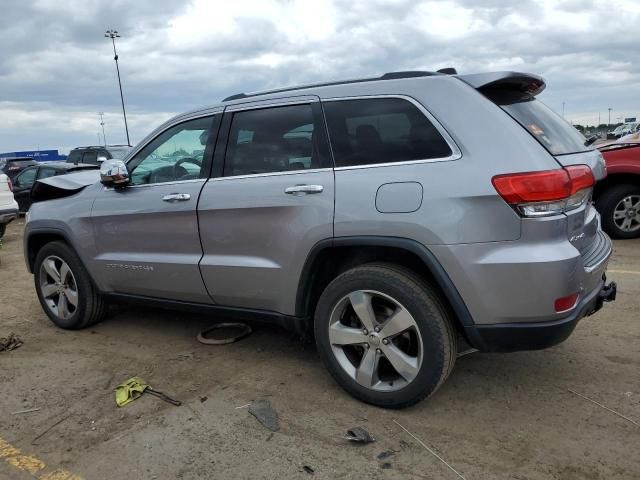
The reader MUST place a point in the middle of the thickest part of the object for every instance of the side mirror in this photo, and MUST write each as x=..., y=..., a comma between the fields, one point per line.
x=114, y=173
x=102, y=158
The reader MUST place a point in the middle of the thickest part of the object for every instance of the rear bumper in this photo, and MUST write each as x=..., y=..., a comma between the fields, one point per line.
x=512, y=337
x=8, y=214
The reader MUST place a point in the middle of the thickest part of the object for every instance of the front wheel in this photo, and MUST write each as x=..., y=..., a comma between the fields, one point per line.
x=384, y=335
x=64, y=288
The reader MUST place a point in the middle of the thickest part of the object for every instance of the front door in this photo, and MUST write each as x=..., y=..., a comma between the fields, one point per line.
x=270, y=203
x=146, y=233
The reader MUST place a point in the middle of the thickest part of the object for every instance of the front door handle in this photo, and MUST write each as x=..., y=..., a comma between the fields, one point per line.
x=176, y=197
x=299, y=189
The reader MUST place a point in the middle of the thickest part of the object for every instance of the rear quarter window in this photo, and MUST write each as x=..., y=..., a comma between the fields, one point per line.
x=381, y=130
x=557, y=135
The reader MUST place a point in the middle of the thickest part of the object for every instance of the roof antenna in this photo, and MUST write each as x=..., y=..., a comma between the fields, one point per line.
x=448, y=71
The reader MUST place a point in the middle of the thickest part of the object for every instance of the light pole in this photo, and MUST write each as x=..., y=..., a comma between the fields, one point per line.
x=609, y=124
x=113, y=34
x=102, y=125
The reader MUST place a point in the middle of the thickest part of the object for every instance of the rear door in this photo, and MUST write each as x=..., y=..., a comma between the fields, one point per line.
x=271, y=201
x=146, y=234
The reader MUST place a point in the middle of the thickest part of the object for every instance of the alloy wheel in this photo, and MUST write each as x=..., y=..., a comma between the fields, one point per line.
x=58, y=287
x=626, y=215
x=375, y=340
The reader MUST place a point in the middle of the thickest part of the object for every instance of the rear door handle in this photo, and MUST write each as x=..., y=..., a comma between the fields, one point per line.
x=176, y=197
x=298, y=189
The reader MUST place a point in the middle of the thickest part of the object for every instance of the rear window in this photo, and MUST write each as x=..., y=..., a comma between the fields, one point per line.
x=381, y=130
x=554, y=133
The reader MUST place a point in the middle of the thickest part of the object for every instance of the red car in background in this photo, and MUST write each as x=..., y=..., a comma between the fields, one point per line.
x=617, y=197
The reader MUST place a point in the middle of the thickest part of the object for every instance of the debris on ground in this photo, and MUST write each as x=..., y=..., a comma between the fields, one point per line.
x=28, y=410
x=359, y=435
x=133, y=389
x=265, y=414
x=11, y=342
x=385, y=465
x=386, y=454
x=308, y=469
x=33, y=442
x=204, y=399
x=224, y=333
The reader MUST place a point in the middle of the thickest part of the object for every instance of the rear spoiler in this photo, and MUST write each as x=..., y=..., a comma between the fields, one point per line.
x=523, y=82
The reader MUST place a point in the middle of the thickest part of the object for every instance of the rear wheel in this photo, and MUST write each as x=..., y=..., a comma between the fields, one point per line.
x=64, y=288
x=620, y=210
x=384, y=335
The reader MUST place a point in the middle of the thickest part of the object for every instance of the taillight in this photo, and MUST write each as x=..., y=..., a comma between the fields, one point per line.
x=549, y=192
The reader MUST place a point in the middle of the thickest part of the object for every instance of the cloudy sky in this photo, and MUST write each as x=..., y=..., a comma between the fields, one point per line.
x=57, y=69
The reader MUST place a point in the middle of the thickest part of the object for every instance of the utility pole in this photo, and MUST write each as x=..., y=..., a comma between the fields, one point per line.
x=609, y=124
x=113, y=34
x=104, y=137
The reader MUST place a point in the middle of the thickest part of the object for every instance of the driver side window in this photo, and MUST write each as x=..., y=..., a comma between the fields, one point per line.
x=174, y=155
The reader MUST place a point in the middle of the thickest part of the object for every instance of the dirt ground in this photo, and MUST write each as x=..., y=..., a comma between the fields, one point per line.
x=499, y=416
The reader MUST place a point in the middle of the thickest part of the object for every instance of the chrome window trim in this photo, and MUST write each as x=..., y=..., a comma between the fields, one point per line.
x=272, y=102
x=176, y=182
x=272, y=174
x=456, y=153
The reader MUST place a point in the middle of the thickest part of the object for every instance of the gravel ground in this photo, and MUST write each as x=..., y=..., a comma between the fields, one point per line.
x=499, y=416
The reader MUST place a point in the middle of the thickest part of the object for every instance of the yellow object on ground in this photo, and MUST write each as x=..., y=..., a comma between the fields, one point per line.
x=130, y=390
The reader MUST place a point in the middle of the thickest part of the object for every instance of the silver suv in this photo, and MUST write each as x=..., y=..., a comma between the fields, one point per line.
x=392, y=216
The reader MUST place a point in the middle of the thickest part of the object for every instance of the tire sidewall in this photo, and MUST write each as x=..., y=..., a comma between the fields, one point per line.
x=425, y=309
x=62, y=251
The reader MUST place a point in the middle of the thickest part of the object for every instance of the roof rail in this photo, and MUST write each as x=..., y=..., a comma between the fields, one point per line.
x=386, y=76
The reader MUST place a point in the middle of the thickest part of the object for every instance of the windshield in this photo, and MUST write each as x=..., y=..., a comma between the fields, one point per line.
x=557, y=135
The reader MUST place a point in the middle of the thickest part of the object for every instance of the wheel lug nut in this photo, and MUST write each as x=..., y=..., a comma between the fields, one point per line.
x=368, y=346
x=365, y=331
x=377, y=329
x=385, y=341
x=378, y=350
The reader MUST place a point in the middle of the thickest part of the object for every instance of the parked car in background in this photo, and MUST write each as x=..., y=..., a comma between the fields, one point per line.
x=373, y=212
x=12, y=166
x=8, y=206
x=95, y=155
x=617, y=197
x=23, y=182
x=622, y=130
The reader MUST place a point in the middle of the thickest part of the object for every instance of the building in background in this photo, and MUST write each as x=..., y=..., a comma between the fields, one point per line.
x=38, y=155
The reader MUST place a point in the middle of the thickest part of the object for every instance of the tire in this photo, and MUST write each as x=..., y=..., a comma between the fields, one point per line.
x=389, y=289
x=3, y=228
x=90, y=306
x=610, y=203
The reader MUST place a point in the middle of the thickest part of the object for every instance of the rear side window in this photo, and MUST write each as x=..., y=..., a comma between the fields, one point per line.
x=381, y=130
x=75, y=156
x=277, y=139
x=46, y=172
x=554, y=133
x=90, y=156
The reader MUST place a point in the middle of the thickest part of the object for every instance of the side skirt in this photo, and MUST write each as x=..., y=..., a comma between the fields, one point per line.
x=299, y=325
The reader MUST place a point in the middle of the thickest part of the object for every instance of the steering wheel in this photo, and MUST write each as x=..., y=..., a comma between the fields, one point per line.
x=179, y=163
